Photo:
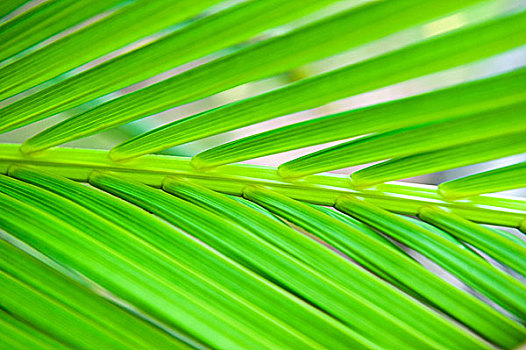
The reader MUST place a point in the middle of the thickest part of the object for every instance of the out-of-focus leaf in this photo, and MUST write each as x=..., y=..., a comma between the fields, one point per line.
x=6, y=7
x=46, y=20
x=130, y=23
x=18, y=335
x=197, y=39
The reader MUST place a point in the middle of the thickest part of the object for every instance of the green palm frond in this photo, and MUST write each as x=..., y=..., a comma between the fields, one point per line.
x=125, y=248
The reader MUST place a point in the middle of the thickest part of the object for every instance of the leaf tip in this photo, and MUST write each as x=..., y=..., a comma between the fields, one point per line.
x=199, y=163
x=447, y=193
x=116, y=155
x=359, y=183
x=28, y=148
x=286, y=173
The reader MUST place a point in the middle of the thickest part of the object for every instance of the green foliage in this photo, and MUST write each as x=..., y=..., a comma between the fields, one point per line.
x=412, y=140
x=463, y=99
x=125, y=249
x=513, y=176
x=493, y=242
x=490, y=281
x=124, y=26
x=197, y=39
x=44, y=21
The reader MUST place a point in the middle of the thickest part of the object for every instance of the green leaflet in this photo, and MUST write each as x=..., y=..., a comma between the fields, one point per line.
x=494, y=244
x=133, y=270
x=338, y=270
x=409, y=141
x=80, y=332
x=429, y=56
x=456, y=303
x=495, y=284
x=507, y=236
x=442, y=159
x=156, y=252
x=320, y=39
x=187, y=250
x=197, y=39
x=438, y=231
x=6, y=7
x=85, y=310
x=46, y=20
x=128, y=24
x=226, y=237
x=17, y=335
x=355, y=224
x=319, y=189
x=249, y=204
x=461, y=99
x=501, y=179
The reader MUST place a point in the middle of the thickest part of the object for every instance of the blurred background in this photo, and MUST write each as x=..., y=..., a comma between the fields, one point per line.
x=105, y=140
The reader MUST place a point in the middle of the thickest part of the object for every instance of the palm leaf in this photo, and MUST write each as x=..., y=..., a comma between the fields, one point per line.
x=501, y=179
x=463, y=99
x=128, y=249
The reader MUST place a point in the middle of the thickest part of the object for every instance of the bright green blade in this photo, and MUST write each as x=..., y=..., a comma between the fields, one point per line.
x=46, y=20
x=461, y=99
x=442, y=159
x=247, y=203
x=80, y=333
x=409, y=141
x=355, y=224
x=186, y=248
x=483, y=277
x=404, y=198
x=173, y=243
x=197, y=39
x=458, y=304
x=155, y=232
x=133, y=270
x=90, y=308
x=222, y=235
x=318, y=40
x=17, y=335
x=495, y=245
x=8, y=6
x=508, y=236
x=439, y=232
x=429, y=56
x=128, y=24
x=337, y=269
x=501, y=179
x=269, y=299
